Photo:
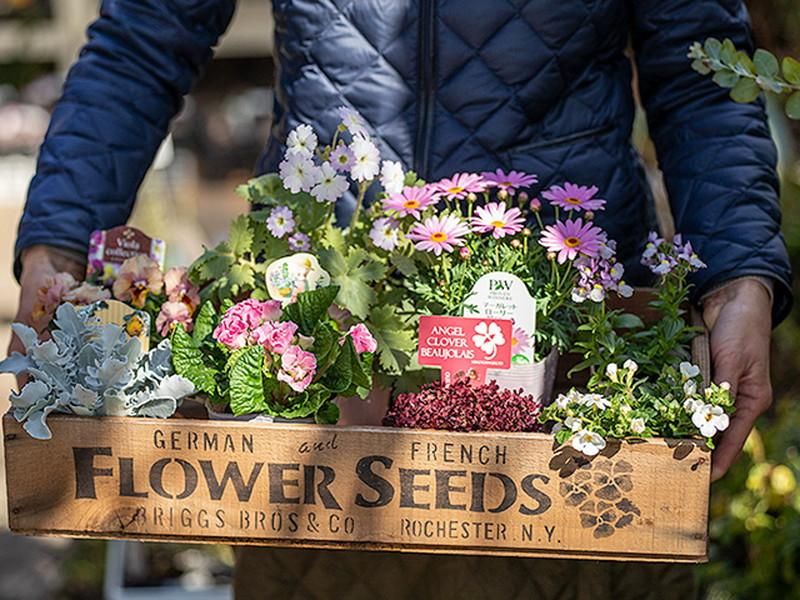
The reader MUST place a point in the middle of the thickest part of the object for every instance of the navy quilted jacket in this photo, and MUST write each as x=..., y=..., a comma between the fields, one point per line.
x=542, y=86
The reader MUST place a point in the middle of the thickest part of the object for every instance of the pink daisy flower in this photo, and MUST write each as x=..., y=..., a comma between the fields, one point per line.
x=436, y=234
x=570, y=238
x=497, y=219
x=574, y=197
x=460, y=186
x=411, y=201
x=509, y=181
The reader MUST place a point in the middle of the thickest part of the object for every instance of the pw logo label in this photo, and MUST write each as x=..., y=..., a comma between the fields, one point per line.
x=499, y=285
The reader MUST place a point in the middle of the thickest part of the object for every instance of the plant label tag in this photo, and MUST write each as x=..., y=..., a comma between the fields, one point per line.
x=464, y=345
x=110, y=248
x=135, y=323
x=500, y=295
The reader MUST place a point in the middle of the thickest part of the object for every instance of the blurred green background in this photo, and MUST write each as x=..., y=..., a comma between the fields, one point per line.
x=755, y=527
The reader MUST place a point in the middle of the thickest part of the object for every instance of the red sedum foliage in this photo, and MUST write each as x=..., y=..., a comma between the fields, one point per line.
x=462, y=406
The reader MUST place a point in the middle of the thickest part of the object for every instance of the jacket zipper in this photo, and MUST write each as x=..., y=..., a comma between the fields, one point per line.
x=425, y=92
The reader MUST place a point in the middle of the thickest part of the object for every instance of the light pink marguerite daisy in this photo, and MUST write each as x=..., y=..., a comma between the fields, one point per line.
x=497, y=219
x=570, y=238
x=520, y=341
x=439, y=233
x=411, y=201
x=461, y=185
x=574, y=197
x=509, y=181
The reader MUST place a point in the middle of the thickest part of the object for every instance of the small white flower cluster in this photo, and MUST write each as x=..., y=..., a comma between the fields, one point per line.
x=327, y=180
x=707, y=417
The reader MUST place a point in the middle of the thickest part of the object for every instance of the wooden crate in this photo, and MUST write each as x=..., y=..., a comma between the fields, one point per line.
x=357, y=488
x=374, y=488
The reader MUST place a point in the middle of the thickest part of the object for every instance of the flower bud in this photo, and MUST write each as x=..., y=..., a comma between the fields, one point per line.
x=536, y=205
x=516, y=244
x=471, y=197
x=589, y=215
x=502, y=194
x=464, y=253
x=551, y=255
x=523, y=197
x=527, y=232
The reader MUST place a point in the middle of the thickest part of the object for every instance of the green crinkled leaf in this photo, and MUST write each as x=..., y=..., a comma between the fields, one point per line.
x=266, y=247
x=404, y=264
x=310, y=308
x=261, y=190
x=328, y=414
x=396, y=338
x=212, y=264
x=305, y=405
x=241, y=277
x=791, y=70
x=204, y=323
x=766, y=64
x=325, y=345
x=332, y=237
x=240, y=237
x=340, y=376
x=246, y=388
x=189, y=362
x=793, y=106
x=746, y=90
x=353, y=274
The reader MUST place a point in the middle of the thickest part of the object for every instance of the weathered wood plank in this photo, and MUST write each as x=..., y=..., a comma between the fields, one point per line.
x=351, y=487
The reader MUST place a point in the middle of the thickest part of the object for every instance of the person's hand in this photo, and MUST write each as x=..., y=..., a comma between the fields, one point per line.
x=39, y=263
x=739, y=317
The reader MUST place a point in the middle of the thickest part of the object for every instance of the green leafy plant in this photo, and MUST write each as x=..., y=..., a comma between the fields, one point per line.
x=748, y=77
x=91, y=370
x=641, y=382
x=257, y=357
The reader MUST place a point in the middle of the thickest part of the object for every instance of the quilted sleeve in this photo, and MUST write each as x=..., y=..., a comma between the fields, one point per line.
x=141, y=58
x=717, y=156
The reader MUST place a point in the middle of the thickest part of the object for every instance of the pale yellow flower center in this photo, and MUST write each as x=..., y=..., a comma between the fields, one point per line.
x=498, y=224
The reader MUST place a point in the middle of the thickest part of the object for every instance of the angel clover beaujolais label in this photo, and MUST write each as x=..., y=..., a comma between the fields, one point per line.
x=500, y=295
x=464, y=345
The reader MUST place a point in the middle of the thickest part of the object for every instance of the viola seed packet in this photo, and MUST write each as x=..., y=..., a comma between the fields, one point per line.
x=108, y=249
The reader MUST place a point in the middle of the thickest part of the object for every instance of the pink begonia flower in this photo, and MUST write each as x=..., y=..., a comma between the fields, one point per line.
x=51, y=294
x=232, y=331
x=275, y=336
x=138, y=276
x=179, y=289
x=171, y=314
x=363, y=341
x=297, y=368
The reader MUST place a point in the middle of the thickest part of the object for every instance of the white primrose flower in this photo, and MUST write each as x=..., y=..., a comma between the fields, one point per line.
x=366, y=159
x=392, y=177
x=330, y=186
x=588, y=442
x=710, y=419
x=630, y=365
x=353, y=120
x=688, y=370
x=573, y=423
x=689, y=388
x=637, y=425
x=611, y=371
x=299, y=173
x=597, y=293
x=579, y=295
x=596, y=400
x=301, y=141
